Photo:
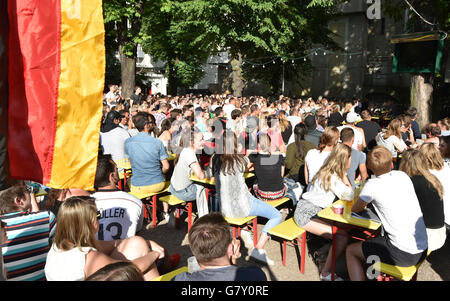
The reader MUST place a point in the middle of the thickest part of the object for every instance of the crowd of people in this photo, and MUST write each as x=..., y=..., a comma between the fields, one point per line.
x=313, y=151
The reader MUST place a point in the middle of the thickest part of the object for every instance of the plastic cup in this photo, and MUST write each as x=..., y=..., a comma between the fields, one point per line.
x=338, y=209
x=193, y=264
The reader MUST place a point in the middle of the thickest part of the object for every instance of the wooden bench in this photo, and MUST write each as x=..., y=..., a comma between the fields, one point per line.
x=288, y=231
x=181, y=205
x=238, y=223
x=387, y=271
x=150, y=199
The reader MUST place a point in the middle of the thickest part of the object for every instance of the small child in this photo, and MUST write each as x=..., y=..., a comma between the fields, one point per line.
x=392, y=194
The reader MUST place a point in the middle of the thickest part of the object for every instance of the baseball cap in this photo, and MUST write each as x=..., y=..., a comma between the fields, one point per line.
x=351, y=117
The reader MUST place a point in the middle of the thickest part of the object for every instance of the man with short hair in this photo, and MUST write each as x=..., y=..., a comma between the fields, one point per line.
x=113, y=136
x=112, y=97
x=214, y=249
x=370, y=128
x=412, y=112
x=313, y=135
x=124, y=118
x=29, y=234
x=147, y=155
x=358, y=158
x=121, y=214
x=136, y=98
x=392, y=194
x=360, y=140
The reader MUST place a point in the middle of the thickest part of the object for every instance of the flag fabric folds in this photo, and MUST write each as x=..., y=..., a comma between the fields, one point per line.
x=56, y=80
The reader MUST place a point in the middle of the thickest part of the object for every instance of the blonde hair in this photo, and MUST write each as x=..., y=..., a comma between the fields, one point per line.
x=394, y=128
x=379, y=160
x=330, y=137
x=76, y=219
x=284, y=123
x=413, y=163
x=336, y=165
x=432, y=156
x=263, y=120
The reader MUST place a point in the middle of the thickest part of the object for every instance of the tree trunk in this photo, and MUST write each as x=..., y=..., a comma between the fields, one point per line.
x=128, y=73
x=422, y=97
x=238, y=83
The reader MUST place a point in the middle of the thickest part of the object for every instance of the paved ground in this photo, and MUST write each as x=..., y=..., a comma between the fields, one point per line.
x=435, y=268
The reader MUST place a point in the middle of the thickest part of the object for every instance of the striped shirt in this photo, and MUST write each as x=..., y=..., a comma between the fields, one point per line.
x=25, y=251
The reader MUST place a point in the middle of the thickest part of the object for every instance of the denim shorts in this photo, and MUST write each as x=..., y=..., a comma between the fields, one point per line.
x=187, y=194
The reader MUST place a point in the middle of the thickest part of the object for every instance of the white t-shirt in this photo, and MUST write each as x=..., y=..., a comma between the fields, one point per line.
x=359, y=139
x=294, y=120
x=317, y=194
x=390, y=143
x=110, y=95
x=444, y=176
x=227, y=109
x=395, y=201
x=113, y=142
x=182, y=171
x=121, y=215
x=66, y=265
x=314, y=160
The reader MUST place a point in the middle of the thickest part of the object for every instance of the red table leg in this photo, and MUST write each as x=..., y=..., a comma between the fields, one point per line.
x=303, y=254
x=333, y=251
x=154, y=210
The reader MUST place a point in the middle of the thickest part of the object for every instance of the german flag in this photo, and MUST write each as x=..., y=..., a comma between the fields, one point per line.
x=56, y=79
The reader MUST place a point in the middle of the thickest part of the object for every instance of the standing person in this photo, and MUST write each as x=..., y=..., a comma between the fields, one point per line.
x=296, y=153
x=370, y=128
x=136, y=98
x=392, y=195
x=235, y=199
x=436, y=166
x=75, y=253
x=429, y=192
x=186, y=162
x=315, y=158
x=148, y=159
x=269, y=171
x=330, y=182
x=358, y=162
x=229, y=107
x=112, y=98
x=212, y=245
x=360, y=141
x=29, y=231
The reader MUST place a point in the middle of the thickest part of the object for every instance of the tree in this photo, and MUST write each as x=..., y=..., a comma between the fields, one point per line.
x=123, y=18
x=250, y=28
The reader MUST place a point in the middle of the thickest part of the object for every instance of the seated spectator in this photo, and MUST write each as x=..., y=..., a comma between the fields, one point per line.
x=444, y=148
x=313, y=135
x=330, y=182
x=432, y=131
x=147, y=156
x=121, y=214
x=407, y=132
x=75, y=253
x=296, y=153
x=392, y=195
x=392, y=139
x=186, y=162
x=235, y=199
x=117, y=271
x=285, y=126
x=358, y=161
x=212, y=245
x=29, y=233
x=359, y=141
x=444, y=124
x=3, y=239
x=315, y=158
x=274, y=132
x=168, y=127
x=113, y=136
x=269, y=171
x=429, y=191
x=55, y=198
x=436, y=166
x=370, y=128
x=412, y=112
